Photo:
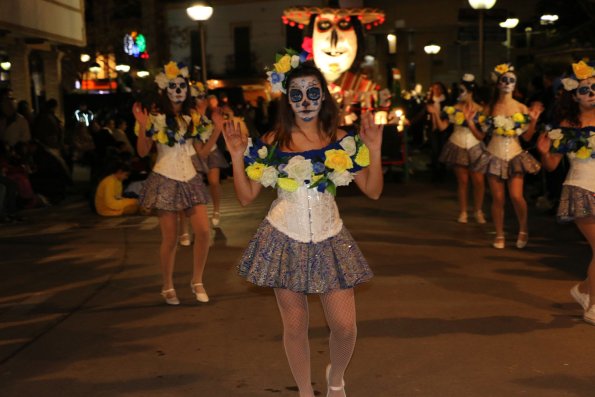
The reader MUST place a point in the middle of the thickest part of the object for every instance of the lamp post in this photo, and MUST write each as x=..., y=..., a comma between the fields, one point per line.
x=481, y=5
x=432, y=49
x=200, y=11
x=509, y=24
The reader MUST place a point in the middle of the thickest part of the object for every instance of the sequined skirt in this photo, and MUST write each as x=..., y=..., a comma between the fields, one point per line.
x=575, y=202
x=216, y=159
x=273, y=259
x=519, y=165
x=455, y=155
x=162, y=193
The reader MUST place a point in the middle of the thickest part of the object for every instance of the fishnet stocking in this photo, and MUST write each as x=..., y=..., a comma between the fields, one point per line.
x=339, y=310
x=294, y=314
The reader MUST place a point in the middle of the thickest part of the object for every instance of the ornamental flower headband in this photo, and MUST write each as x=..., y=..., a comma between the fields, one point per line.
x=500, y=70
x=170, y=72
x=197, y=89
x=580, y=71
x=287, y=62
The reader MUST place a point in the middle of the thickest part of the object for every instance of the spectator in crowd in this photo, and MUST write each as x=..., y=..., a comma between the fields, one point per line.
x=108, y=196
x=48, y=129
x=13, y=127
x=24, y=110
x=83, y=146
x=119, y=134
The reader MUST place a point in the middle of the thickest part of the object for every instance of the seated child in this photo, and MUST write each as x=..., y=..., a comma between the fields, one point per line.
x=108, y=197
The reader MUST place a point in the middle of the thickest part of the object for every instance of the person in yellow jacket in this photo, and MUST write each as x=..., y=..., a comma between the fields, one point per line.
x=108, y=197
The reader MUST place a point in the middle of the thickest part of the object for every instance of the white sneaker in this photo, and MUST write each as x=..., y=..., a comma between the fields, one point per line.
x=589, y=315
x=580, y=297
x=184, y=240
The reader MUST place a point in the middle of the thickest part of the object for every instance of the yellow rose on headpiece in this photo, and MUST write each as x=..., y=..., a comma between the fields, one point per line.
x=284, y=64
x=582, y=70
x=502, y=68
x=171, y=70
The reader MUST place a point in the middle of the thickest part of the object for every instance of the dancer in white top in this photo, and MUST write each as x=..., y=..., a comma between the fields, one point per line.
x=504, y=161
x=463, y=149
x=575, y=137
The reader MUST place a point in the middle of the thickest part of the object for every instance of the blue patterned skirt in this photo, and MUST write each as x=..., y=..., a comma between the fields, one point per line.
x=275, y=260
x=162, y=193
x=575, y=202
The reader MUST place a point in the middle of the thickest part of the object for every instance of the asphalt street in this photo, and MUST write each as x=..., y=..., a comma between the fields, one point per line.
x=446, y=314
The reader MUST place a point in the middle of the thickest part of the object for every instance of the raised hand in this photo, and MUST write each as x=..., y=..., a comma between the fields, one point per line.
x=469, y=112
x=141, y=115
x=234, y=139
x=535, y=110
x=369, y=132
x=543, y=143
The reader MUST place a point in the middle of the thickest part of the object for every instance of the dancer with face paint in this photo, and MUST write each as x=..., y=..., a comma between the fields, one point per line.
x=463, y=149
x=574, y=136
x=174, y=185
x=504, y=161
x=302, y=246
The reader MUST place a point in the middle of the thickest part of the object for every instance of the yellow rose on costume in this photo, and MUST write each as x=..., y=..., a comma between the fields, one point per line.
x=363, y=156
x=582, y=70
x=171, y=70
x=518, y=118
x=284, y=64
x=459, y=118
x=196, y=118
x=502, y=68
x=337, y=160
x=254, y=171
x=583, y=153
x=449, y=109
x=481, y=119
x=162, y=137
x=510, y=133
x=287, y=184
x=499, y=131
x=556, y=143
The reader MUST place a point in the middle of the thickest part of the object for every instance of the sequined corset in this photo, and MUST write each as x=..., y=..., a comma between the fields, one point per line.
x=174, y=161
x=505, y=147
x=463, y=137
x=305, y=215
x=581, y=174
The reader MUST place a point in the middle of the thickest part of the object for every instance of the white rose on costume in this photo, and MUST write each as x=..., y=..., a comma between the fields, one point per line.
x=555, y=134
x=571, y=155
x=269, y=177
x=508, y=124
x=247, y=151
x=519, y=131
x=299, y=169
x=348, y=144
x=158, y=122
x=263, y=152
x=341, y=178
x=499, y=121
x=295, y=61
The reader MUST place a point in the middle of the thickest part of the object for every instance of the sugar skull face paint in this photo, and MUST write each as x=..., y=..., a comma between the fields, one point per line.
x=177, y=89
x=334, y=45
x=585, y=93
x=462, y=94
x=507, y=82
x=305, y=97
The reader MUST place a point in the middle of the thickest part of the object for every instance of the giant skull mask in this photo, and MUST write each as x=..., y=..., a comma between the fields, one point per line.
x=334, y=45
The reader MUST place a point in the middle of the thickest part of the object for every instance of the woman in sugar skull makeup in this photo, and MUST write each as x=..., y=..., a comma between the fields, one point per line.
x=504, y=161
x=302, y=246
x=463, y=149
x=174, y=184
x=574, y=136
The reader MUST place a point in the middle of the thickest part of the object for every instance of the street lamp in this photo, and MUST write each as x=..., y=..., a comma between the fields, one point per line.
x=481, y=5
x=432, y=49
x=200, y=11
x=392, y=43
x=548, y=19
x=509, y=24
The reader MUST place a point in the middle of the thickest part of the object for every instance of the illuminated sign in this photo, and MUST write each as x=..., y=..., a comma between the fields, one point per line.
x=135, y=44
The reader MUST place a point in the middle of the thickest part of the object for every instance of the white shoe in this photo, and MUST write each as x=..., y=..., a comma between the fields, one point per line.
x=200, y=296
x=580, y=297
x=589, y=315
x=480, y=217
x=522, y=242
x=184, y=240
x=462, y=217
x=216, y=219
x=170, y=297
x=499, y=242
x=333, y=388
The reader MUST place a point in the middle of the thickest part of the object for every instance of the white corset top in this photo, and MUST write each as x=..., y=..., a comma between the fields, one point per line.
x=463, y=137
x=305, y=215
x=174, y=161
x=581, y=174
x=505, y=147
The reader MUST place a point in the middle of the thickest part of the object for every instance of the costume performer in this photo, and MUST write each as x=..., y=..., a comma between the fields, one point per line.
x=174, y=185
x=463, y=149
x=504, y=161
x=575, y=137
x=302, y=246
